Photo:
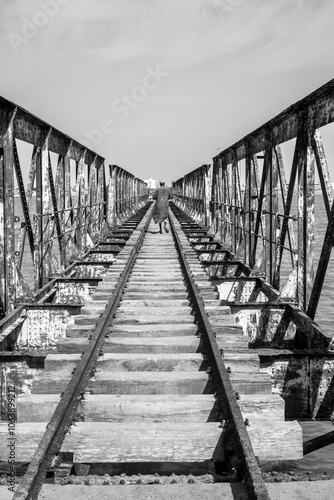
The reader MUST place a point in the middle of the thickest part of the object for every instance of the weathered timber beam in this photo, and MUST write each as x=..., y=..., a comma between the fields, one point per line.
x=268, y=352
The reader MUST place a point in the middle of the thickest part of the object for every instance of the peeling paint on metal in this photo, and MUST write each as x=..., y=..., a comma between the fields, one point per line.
x=42, y=328
x=73, y=293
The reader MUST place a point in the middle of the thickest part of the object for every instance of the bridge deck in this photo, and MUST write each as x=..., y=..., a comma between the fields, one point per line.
x=254, y=263
x=153, y=397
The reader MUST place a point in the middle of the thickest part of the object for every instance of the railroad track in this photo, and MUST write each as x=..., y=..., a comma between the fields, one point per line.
x=165, y=388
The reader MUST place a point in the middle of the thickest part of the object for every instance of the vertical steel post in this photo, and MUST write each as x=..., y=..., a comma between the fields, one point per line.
x=234, y=230
x=60, y=197
x=306, y=173
x=3, y=288
x=248, y=196
x=8, y=177
x=68, y=213
x=269, y=247
x=207, y=195
x=45, y=208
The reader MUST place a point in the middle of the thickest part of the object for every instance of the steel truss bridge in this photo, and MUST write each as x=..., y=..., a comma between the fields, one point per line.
x=245, y=283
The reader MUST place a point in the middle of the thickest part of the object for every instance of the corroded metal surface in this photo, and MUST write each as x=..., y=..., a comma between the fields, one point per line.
x=75, y=204
x=266, y=325
x=321, y=387
x=42, y=328
x=273, y=325
x=73, y=292
x=251, y=210
x=291, y=380
x=91, y=271
x=17, y=374
x=265, y=218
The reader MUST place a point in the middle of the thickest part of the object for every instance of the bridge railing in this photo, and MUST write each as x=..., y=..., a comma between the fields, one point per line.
x=57, y=199
x=193, y=194
x=264, y=218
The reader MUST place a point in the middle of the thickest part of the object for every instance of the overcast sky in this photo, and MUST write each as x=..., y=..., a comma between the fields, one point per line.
x=160, y=86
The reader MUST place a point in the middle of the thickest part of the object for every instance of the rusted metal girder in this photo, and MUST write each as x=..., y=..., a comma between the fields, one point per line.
x=193, y=193
x=125, y=194
x=55, y=202
x=261, y=217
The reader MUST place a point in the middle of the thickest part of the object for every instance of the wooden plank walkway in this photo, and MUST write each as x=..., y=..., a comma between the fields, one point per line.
x=152, y=396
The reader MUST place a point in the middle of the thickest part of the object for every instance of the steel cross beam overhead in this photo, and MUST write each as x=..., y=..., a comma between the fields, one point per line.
x=57, y=199
x=261, y=206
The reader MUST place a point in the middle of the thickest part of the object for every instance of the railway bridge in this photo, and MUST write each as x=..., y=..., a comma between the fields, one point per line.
x=189, y=359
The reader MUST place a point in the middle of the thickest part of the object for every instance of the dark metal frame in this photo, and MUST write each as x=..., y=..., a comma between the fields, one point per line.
x=250, y=222
x=75, y=206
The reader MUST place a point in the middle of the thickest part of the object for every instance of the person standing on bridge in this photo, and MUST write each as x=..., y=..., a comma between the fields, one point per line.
x=160, y=212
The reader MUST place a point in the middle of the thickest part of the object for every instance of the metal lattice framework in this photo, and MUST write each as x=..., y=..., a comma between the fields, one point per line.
x=52, y=216
x=265, y=219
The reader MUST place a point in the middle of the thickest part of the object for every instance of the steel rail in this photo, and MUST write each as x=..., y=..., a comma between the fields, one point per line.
x=256, y=487
x=31, y=483
x=40, y=293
